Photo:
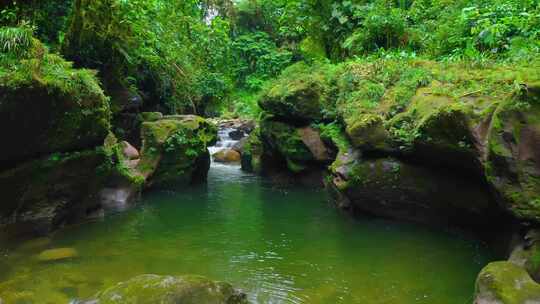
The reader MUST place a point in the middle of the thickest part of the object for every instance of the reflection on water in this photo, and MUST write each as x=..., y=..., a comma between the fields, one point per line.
x=280, y=245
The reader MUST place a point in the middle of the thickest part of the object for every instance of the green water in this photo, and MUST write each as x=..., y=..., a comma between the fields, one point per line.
x=280, y=245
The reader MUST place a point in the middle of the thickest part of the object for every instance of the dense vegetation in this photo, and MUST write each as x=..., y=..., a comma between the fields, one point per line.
x=213, y=57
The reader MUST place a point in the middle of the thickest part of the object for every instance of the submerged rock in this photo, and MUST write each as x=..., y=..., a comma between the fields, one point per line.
x=227, y=156
x=506, y=283
x=154, y=289
x=57, y=254
x=175, y=150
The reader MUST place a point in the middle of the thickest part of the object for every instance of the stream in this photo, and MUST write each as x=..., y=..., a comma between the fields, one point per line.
x=284, y=244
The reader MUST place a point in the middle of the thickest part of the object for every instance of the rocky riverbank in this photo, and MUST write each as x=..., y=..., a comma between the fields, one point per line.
x=431, y=143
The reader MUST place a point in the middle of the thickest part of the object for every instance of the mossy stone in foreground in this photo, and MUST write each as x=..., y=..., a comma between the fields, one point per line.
x=506, y=283
x=154, y=289
x=175, y=150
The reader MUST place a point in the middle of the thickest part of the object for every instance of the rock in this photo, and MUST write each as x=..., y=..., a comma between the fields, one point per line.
x=367, y=132
x=175, y=150
x=392, y=188
x=118, y=198
x=284, y=141
x=252, y=153
x=526, y=254
x=227, y=156
x=240, y=145
x=298, y=100
x=129, y=151
x=312, y=140
x=72, y=113
x=41, y=195
x=512, y=159
x=154, y=289
x=236, y=134
x=505, y=283
x=57, y=254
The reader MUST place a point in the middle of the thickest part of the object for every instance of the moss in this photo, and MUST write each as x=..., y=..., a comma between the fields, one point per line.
x=52, y=106
x=367, y=132
x=300, y=95
x=151, y=116
x=252, y=152
x=506, y=283
x=286, y=141
x=334, y=133
x=175, y=148
x=169, y=290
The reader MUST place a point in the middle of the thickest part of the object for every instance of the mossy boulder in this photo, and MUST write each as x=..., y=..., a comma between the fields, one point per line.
x=57, y=254
x=392, y=188
x=367, y=132
x=512, y=159
x=47, y=106
x=252, y=152
x=43, y=194
x=154, y=289
x=506, y=283
x=284, y=141
x=297, y=97
x=527, y=254
x=175, y=150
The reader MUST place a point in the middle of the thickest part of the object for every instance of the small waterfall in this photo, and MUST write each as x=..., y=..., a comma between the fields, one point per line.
x=224, y=140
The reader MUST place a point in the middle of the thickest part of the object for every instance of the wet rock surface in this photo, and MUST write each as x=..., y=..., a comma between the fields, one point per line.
x=154, y=289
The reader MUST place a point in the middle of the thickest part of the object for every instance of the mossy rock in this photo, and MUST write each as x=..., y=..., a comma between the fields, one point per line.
x=392, y=188
x=512, y=164
x=47, y=106
x=285, y=141
x=252, y=152
x=505, y=283
x=297, y=97
x=154, y=289
x=368, y=132
x=57, y=254
x=43, y=194
x=175, y=150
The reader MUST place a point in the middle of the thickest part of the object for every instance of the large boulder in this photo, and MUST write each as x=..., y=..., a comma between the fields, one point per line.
x=175, y=150
x=48, y=109
x=393, y=188
x=512, y=158
x=298, y=96
x=285, y=142
x=227, y=156
x=154, y=289
x=506, y=283
x=43, y=194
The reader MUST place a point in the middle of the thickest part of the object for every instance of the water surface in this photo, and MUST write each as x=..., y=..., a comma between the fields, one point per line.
x=278, y=244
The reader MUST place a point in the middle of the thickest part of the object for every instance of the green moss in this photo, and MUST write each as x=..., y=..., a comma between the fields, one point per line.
x=301, y=94
x=286, y=141
x=47, y=105
x=175, y=148
x=170, y=290
x=507, y=283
